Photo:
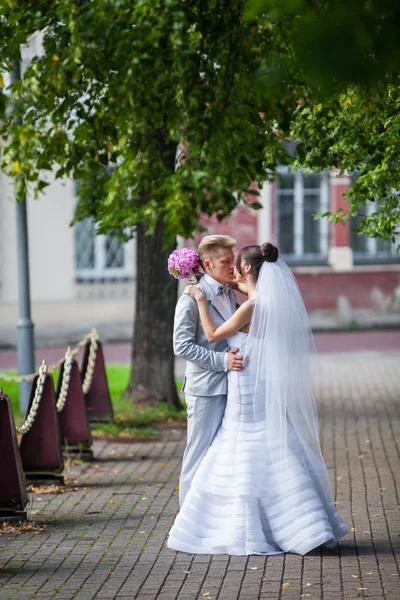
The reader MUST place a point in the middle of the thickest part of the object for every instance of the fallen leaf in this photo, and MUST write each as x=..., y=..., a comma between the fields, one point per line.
x=160, y=484
x=177, y=487
x=377, y=515
x=253, y=568
x=141, y=479
x=305, y=595
x=362, y=588
x=111, y=502
x=347, y=449
x=361, y=455
x=308, y=584
x=286, y=584
x=355, y=576
x=187, y=572
x=336, y=503
x=207, y=594
x=395, y=574
x=339, y=478
x=352, y=529
x=370, y=573
x=142, y=532
x=144, y=498
x=163, y=464
x=1, y=81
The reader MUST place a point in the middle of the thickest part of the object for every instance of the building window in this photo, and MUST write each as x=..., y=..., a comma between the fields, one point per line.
x=366, y=248
x=299, y=196
x=100, y=256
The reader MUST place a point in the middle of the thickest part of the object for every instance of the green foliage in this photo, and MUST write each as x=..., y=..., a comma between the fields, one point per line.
x=345, y=53
x=336, y=43
x=120, y=84
x=357, y=132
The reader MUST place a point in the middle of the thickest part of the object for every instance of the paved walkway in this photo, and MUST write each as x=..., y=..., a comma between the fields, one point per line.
x=332, y=342
x=105, y=539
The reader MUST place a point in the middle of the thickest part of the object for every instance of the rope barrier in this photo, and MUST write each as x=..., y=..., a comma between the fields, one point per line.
x=30, y=419
x=87, y=383
x=62, y=397
x=93, y=337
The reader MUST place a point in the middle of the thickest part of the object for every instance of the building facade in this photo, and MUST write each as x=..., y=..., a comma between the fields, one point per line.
x=329, y=261
x=76, y=277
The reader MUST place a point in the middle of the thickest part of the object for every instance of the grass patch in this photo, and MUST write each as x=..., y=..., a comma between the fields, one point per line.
x=130, y=420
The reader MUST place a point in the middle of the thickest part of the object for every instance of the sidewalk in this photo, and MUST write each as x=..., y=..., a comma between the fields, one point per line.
x=105, y=539
x=330, y=342
x=55, y=333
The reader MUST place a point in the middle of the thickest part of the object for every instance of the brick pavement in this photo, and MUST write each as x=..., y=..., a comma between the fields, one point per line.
x=334, y=341
x=106, y=540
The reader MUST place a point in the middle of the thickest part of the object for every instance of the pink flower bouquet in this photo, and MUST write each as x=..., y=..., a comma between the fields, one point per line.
x=182, y=263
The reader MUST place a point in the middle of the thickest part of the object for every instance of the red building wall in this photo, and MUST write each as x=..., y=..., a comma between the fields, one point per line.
x=364, y=289
x=367, y=287
x=242, y=226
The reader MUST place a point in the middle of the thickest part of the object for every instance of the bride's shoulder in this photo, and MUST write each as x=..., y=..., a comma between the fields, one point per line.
x=247, y=306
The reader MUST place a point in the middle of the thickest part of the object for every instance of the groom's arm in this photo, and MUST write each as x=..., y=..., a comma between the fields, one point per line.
x=185, y=327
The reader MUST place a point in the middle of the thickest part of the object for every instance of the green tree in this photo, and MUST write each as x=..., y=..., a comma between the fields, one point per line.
x=345, y=53
x=118, y=86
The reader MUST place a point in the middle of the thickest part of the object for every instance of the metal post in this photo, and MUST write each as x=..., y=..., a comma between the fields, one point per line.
x=25, y=337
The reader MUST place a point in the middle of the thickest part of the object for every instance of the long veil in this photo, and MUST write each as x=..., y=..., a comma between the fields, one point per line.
x=278, y=355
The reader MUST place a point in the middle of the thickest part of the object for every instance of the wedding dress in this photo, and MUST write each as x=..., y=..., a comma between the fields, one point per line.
x=263, y=486
x=240, y=501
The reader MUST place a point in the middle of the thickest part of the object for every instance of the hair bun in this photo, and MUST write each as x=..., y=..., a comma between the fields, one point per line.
x=269, y=252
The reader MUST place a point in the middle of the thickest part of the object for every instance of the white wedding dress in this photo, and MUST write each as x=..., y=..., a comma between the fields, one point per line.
x=240, y=501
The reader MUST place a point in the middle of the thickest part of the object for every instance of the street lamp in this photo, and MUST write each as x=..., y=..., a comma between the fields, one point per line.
x=25, y=333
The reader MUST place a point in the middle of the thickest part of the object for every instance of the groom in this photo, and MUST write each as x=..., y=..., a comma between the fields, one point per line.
x=205, y=382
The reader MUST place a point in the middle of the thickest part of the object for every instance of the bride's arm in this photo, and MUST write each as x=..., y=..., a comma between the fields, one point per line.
x=213, y=334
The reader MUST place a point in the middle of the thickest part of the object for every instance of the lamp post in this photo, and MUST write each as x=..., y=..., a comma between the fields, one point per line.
x=25, y=327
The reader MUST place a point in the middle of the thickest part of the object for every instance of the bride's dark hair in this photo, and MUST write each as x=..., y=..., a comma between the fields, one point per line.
x=256, y=256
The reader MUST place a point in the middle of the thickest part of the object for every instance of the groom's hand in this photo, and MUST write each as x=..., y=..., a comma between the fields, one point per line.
x=235, y=362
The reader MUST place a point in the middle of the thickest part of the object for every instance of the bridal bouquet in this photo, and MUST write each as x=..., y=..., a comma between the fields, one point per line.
x=182, y=263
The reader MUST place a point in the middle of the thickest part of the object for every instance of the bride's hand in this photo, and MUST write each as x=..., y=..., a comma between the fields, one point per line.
x=239, y=283
x=194, y=292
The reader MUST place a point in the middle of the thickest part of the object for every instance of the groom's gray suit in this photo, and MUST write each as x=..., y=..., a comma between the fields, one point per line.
x=205, y=382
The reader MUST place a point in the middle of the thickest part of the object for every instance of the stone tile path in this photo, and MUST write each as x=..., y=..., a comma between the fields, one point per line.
x=105, y=538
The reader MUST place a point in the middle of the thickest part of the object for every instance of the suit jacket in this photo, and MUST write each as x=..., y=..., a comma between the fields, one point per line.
x=205, y=370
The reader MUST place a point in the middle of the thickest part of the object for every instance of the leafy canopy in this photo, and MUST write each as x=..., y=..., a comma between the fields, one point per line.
x=345, y=53
x=120, y=84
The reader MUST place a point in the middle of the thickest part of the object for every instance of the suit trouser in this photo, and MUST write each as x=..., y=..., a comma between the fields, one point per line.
x=204, y=416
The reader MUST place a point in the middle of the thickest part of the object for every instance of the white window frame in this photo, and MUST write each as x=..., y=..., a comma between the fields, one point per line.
x=371, y=249
x=100, y=271
x=298, y=216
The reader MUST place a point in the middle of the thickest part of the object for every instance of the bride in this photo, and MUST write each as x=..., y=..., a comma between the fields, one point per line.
x=262, y=487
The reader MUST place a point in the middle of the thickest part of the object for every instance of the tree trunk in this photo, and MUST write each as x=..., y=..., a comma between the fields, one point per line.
x=152, y=377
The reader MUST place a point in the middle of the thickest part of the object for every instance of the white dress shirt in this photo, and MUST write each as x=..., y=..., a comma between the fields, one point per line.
x=221, y=303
